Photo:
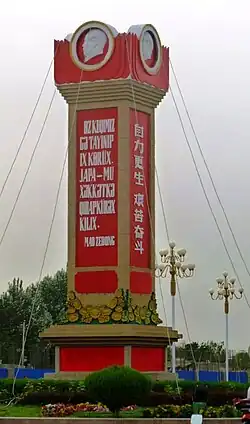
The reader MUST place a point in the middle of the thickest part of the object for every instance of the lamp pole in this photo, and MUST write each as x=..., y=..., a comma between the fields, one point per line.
x=172, y=265
x=226, y=291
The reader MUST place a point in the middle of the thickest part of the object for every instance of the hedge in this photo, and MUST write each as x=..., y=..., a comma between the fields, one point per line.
x=40, y=392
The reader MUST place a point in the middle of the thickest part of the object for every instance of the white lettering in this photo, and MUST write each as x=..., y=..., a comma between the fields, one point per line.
x=101, y=241
x=95, y=158
x=88, y=223
x=97, y=187
x=99, y=126
x=83, y=143
x=139, y=247
x=97, y=191
x=87, y=175
x=97, y=207
x=139, y=131
x=108, y=173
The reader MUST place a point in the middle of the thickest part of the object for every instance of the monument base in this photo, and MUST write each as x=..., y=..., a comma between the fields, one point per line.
x=82, y=349
x=157, y=376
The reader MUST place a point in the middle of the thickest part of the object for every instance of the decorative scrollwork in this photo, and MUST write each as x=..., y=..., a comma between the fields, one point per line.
x=120, y=309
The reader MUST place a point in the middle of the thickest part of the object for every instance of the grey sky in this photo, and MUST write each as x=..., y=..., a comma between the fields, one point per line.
x=210, y=50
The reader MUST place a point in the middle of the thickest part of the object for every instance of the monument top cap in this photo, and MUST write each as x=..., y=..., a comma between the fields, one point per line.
x=100, y=49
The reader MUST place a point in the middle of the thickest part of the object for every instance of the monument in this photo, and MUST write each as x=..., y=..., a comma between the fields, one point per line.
x=112, y=84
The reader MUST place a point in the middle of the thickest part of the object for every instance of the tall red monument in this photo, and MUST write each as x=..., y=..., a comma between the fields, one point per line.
x=112, y=83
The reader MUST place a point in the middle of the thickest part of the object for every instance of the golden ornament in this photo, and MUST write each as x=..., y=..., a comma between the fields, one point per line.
x=137, y=311
x=73, y=317
x=106, y=311
x=83, y=312
x=143, y=312
x=152, y=305
x=131, y=316
x=116, y=316
x=95, y=312
x=125, y=316
x=88, y=319
x=119, y=293
x=71, y=295
x=121, y=302
x=118, y=309
x=77, y=304
x=101, y=319
x=154, y=318
x=112, y=304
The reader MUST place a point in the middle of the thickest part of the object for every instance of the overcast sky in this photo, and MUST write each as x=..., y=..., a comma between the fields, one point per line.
x=210, y=51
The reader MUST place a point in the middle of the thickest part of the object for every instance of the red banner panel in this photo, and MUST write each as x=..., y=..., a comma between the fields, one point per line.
x=141, y=282
x=96, y=188
x=96, y=282
x=148, y=358
x=88, y=359
x=140, y=240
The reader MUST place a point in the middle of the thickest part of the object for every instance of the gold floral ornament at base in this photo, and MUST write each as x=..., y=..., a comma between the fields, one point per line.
x=120, y=309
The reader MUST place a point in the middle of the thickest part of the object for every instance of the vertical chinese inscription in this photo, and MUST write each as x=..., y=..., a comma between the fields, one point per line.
x=96, y=188
x=140, y=199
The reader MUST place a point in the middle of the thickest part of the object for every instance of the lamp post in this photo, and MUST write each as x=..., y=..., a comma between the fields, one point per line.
x=172, y=265
x=226, y=291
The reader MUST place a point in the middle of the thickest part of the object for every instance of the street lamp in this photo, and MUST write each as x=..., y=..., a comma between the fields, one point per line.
x=172, y=264
x=226, y=290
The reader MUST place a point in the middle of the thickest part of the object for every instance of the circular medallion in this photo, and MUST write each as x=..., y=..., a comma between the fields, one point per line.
x=92, y=45
x=150, y=49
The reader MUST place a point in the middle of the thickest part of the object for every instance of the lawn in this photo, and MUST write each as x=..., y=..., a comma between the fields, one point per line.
x=35, y=411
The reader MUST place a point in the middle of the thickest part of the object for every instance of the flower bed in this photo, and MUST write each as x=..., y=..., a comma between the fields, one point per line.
x=162, y=411
x=185, y=411
x=61, y=410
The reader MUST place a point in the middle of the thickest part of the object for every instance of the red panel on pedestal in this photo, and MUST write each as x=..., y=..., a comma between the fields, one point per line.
x=88, y=359
x=93, y=282
x=148, y=358
x=141, y=282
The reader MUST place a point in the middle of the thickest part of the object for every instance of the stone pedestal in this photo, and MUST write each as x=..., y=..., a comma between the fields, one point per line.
x=83, y=349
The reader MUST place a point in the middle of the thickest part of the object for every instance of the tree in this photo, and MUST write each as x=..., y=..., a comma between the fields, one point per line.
x=240, y=361
x=16, y=306
x=53, y=294
x=195, y=353
x=38, y=306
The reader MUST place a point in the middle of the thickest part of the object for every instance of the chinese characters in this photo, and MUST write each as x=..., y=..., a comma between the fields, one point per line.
x=139, y=201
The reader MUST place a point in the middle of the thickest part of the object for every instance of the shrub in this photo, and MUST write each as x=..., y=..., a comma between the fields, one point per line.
x=118, y=387
x=218, y=393
x=40, y=392
x=52, y=391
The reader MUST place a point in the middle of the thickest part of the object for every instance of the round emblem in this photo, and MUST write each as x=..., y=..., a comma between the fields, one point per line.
x=150, y=49
x=92, y=45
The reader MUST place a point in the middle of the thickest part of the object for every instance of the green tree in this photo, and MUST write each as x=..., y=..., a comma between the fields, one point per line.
x=37, y=306
x=16, y=312
x=53, y=294
x=240, y=361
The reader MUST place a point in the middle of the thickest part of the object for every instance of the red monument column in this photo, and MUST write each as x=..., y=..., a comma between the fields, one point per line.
x=112, y=84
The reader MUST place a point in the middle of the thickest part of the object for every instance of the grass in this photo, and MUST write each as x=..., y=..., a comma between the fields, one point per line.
x=20, y=411
x=35, y=411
